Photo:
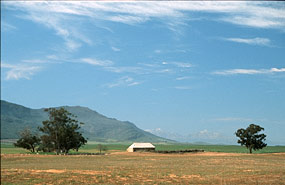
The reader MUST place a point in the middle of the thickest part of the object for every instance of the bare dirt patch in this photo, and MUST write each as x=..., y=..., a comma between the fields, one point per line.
x=49, y=171
x=85, y=172
x=90, y=172
x=32, y=171
x=24, y=155
x=191, y=176
x=172, y=176
x=218, y=154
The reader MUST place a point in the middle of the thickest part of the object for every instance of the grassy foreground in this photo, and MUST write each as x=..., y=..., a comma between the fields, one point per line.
x=144, y=168
x=120, y=167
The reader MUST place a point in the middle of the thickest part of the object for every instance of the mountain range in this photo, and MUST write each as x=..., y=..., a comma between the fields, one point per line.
x=96, y=127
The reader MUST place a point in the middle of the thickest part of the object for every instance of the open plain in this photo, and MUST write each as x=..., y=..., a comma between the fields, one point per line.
x=144, y=168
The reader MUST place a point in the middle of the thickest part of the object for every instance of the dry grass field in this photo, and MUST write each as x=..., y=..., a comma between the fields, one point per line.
x=144, y=168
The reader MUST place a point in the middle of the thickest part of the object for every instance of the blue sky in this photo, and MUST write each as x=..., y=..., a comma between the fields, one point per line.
x=190, y=70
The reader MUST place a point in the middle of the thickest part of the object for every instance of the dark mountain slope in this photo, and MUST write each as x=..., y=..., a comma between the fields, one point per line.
x=97, y=127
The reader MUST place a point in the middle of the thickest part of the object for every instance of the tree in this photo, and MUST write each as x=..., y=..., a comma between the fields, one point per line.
x=250, y=138
x=28, y=140
x=101, y=148
x=46, y=144
x=61, y=131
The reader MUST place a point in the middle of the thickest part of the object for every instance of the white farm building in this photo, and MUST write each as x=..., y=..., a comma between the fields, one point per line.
x=141, y=147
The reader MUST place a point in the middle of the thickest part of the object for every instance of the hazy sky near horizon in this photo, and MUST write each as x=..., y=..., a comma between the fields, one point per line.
x=204, y=68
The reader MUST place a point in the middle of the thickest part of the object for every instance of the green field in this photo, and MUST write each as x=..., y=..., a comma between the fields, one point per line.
x=8, y=148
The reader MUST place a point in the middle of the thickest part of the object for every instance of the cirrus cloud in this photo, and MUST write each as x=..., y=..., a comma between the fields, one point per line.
x=97, y=62
x=249, y=71
x=125, y=81
x=19, y=71
x=253, y=41
x=59, y=15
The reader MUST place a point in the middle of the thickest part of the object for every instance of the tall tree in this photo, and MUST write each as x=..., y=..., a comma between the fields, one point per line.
x=250, y=138
x=28, y=140
x=62, y=131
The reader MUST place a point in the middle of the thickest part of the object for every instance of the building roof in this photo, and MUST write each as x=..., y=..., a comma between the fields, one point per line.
x=141, y=145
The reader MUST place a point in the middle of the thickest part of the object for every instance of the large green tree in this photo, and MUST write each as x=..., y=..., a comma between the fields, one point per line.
x=28, y=140
x=61, y=131
x=250, y=138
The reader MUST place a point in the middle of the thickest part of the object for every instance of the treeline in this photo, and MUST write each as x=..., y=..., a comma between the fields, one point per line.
x=178, y=151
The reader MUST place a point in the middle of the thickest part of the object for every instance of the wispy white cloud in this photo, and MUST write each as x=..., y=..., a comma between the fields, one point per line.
x=178, y=64
x=34, y=61
x=183, y=78
x=41, y=61
x=16, y=72
x=157, y=51
x=72, y=45
x=277, y=70
x=147, y=68
x=183, y=87
x=56, y=15
x=249, y=71
x=164, y=71
x=253, y=41
x=4, y=65
x=153, y=130
x=110, y=66
x=52, y=57
x=125, y=81
x=150, y=65
x=96, y=62
x=7, y=27
x=127, y=19
x=162, y=68
x=115, y=49
x=182, y=64
x=260, y=21
x=125, y=69
x=56, y=18
x=205, y=134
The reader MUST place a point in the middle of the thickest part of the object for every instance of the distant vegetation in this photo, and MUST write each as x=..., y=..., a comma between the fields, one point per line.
x=92, y=147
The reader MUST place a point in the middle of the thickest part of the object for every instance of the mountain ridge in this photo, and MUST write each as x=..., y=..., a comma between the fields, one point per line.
x=97, y=127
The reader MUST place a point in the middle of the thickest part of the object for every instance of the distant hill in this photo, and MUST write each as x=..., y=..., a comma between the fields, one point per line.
x=97, y=127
